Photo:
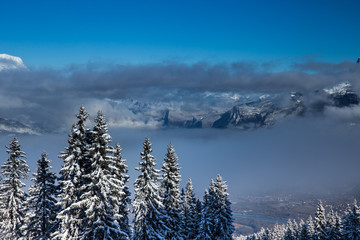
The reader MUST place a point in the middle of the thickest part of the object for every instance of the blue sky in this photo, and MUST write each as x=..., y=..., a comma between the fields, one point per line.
x=58, y=33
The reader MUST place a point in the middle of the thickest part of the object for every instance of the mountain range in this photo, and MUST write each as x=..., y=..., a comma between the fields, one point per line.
x=247, y=112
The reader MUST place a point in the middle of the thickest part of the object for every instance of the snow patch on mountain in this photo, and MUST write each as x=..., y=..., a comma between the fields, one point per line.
x=343, y=95
x=8, y=62
x=341, y=88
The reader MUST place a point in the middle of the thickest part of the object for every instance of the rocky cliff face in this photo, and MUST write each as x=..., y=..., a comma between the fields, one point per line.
x=258, y=115
x=244, y=117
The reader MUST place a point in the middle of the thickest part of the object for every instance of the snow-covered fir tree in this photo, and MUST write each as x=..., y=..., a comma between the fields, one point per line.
x=12, y=197
x=296, y=228
x=351, y=222
x=290, y=231
x=71, y=179
x=98, y=195
x=338, y=227
x=333, y=226
x=191, y=220
x=148, y=208
x=122, y=204
x=265, y=234
x=217, y=220
x=278, y=232
x=170, y=189
x=304, y=231
x=207, y=215
x=198, y=215
x=320, y=223
x=42, y=209
x=223, y=222
x=310, y=227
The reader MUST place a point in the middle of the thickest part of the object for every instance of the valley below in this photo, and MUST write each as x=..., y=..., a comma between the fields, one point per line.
x=253, y=212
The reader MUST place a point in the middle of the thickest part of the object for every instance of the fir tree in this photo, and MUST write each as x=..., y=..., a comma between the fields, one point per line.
x=191, y=221
x=217, y=220
x=304, y=231
x=267, y=234
x=198, y=215
x=223, y=222
x=148, y=207
x=296, y=229
x=42, y=208
x=261, y=235
x=320, y=223
x=310, y=227
x=290, y=231
x=333, y=226
x=98, y=195
x=12, y=197
x=351, y=223
x=122, y=203
x=207, y=216
x=171, y=194
x=338, y=227
x=71, y=215
x=278, y=233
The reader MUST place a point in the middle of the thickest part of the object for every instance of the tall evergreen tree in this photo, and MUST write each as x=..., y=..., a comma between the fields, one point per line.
x=217, y=220
x=171, y=194
x=351, y=223
x=223, y=222
x=191, y=221
x=207, y=216
x=12, y=197
x=261, y=234
x=97, y=196
x=198, y=216
x=42, y=208
x=338, y=227
x=278, y=233
x=320, y=223
x=296, y=228
x=122, y=202
x=290, y=231
x=267, y=234
x=310, y=227
x=71, y=216
x=333, y=226
x=304, y=232
x=148, y=207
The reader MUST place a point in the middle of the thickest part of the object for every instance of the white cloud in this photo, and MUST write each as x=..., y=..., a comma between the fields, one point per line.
x=8, y=62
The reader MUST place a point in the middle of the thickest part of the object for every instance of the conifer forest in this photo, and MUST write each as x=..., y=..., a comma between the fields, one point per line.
x=91, y=197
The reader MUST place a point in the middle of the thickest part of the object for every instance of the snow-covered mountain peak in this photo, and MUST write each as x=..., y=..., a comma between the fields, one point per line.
x=8, y=62
x=341, y=89
x=343, y=95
